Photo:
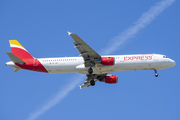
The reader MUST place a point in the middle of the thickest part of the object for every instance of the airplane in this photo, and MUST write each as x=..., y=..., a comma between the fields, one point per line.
x=95, y=66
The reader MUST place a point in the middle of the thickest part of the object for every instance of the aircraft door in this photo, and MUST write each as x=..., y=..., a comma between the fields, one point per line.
x=121, y=59
x=80, y=60
x=155, y=58
x=35, y=62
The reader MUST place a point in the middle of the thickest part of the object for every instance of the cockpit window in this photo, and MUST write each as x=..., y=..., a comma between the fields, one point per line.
x=165, y=57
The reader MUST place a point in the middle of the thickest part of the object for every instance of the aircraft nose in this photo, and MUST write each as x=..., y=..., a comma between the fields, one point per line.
x=173, y=62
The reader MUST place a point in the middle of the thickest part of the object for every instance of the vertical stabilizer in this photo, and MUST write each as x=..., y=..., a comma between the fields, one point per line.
x=19, y=50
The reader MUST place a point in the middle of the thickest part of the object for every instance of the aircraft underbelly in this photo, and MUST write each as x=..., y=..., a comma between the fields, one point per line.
x=98, y=70
x=60, y=68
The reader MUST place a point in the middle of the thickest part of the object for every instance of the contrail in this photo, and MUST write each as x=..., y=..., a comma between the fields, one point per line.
x=141, y=23
x=63, y=92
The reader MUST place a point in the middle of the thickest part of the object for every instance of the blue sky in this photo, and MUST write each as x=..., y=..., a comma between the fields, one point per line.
x=41, y=27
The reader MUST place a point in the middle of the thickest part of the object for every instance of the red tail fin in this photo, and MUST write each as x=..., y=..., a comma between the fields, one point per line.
x=19, y=50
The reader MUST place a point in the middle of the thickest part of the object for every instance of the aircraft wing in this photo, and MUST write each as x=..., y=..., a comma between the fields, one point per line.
x=85, y=50
x=90, y=56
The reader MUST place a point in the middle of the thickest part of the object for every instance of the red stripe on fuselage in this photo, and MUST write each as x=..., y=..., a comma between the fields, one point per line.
x=32, y=64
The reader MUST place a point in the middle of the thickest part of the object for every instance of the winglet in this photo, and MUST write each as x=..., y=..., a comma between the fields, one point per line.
x=69, y=33
x=80, y=87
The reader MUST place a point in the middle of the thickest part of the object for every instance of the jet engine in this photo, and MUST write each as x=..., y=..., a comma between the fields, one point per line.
x=107, y=61
x=110, y=79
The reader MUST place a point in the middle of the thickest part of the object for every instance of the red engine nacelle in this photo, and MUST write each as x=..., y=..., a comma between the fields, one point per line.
x=107, y=61
x=111, y=79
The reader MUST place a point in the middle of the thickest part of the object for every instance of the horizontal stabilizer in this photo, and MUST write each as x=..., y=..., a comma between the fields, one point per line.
x=14, y=58
x=16, y=69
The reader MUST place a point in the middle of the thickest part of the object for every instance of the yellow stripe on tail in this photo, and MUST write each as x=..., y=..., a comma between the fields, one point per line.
x=15, y=42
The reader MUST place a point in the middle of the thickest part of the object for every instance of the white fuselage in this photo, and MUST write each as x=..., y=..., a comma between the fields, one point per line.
x=122, y=62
